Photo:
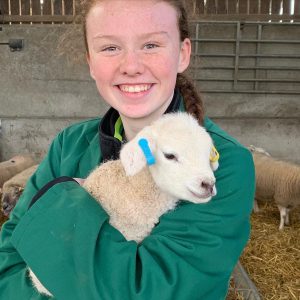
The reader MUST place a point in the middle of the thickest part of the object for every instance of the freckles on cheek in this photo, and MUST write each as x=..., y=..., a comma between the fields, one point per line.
x=102, y=71
x=166, y=65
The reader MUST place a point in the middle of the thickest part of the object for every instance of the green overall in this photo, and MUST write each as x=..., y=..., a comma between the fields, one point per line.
x=66, y=239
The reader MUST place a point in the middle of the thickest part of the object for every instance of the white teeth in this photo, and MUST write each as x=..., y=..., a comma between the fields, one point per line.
x=135, y=88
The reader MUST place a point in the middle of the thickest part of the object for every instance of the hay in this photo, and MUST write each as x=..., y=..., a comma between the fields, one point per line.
x=2, y=217
x=272, y=257
x=233, y=293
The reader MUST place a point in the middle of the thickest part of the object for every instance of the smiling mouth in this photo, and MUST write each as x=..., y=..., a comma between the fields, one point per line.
x=134, y=88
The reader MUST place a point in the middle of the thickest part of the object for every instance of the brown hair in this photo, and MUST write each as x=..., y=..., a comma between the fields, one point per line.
x=192, y=99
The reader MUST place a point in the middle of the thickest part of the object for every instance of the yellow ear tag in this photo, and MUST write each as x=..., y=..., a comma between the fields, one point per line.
x=214, y=155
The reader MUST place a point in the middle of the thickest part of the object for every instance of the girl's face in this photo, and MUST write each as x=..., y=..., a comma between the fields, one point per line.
x=135, y=54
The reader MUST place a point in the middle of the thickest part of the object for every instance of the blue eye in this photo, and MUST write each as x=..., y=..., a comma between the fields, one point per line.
x=151, y=46
x=110, y=49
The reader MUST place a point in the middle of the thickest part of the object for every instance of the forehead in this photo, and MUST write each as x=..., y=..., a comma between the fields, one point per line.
x=184, y=135
x=108, y=17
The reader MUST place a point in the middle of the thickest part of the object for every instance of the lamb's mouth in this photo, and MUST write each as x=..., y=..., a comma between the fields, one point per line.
x=134, y=88
x=200, y=195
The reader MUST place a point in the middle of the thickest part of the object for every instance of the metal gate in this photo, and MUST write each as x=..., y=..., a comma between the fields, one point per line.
x=246, y=57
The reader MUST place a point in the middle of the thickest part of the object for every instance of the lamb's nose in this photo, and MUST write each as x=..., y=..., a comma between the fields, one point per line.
x=208, y=185
x=5, y=201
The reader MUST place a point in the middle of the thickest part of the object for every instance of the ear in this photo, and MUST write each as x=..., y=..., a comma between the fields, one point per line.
x=214, y=159
x=132, y=157
x=185, y=55
x=88, y=59
x=214, y=165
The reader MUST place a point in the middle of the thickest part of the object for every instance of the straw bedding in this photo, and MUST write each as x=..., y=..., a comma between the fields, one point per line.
x=272, y=257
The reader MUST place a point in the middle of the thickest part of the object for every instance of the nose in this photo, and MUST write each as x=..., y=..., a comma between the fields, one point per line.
x=208, y=185
x=131, y=63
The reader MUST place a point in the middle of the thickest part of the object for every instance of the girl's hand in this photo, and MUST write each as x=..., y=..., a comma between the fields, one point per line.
x=80, y=180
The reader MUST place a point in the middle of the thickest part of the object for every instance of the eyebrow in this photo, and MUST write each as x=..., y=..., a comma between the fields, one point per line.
x=145, y=35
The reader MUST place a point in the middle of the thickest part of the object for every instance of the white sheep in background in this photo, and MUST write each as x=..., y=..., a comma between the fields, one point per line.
x=13, y=188
x=278, y=180
x=135, y=195
x=13, y=166
x=259, y=150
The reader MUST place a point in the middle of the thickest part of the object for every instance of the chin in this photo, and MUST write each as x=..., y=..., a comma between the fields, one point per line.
x=134, y=113
x=200, y=200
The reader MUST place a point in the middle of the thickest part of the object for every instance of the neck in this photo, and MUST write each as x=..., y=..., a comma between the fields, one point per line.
x=133, y=126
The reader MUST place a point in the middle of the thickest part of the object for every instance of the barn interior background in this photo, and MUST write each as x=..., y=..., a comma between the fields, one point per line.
x=246, y=63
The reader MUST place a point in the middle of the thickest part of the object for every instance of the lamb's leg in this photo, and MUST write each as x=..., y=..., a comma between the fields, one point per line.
x=287, y=217
x=37, y=284
x=255, y=206
x=283, y=213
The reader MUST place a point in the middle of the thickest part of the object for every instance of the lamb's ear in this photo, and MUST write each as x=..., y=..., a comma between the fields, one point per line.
x=214, y=165
x=214, y=158
x=133, y=157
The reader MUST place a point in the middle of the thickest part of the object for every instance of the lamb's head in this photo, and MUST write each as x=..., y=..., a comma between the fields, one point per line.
x=9, y=199
x=184, y=157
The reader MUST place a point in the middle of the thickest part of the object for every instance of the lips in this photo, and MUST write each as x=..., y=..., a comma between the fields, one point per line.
x=201, y=195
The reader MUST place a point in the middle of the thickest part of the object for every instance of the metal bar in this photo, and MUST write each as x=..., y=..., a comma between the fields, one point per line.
x=279, y=92
x=269, y=80
x=74, y=8
x=258, y=48
x=250, y=17
x=20, y=9
x=63, y=12
x=9, y=11
x=270, y=55
x=197, y=38
x=52, y=7
x=203, y=20
x=248, y=80
x=37, y=19
x=213, y=55
x=237, y=53
x=247, y=55
x=248, y=68
x=270, y=68
x=247, y=41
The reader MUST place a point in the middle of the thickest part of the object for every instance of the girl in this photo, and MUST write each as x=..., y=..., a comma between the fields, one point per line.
x=136, y=52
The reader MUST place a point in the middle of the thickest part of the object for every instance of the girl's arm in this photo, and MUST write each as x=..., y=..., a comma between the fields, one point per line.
x=67, y=241
x=14, y=282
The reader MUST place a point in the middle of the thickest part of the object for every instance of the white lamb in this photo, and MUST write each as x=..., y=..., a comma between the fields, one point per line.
x=278, y=180
x=135, y=195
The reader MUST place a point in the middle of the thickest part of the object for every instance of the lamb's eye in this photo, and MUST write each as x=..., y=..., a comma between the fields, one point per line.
x=170, y=156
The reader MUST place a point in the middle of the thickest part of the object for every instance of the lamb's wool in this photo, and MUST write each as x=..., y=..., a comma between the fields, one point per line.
x=15, y=165
x=135, y=195
x=13, y=188
x=134, y=207
x=135, y=203
x=278, y=180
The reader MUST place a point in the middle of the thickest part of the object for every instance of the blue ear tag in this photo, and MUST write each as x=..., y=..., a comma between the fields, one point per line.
x=143, y=143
